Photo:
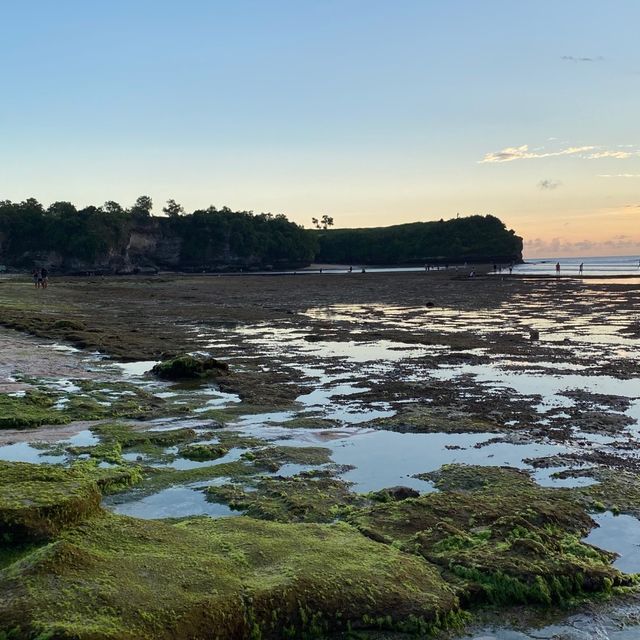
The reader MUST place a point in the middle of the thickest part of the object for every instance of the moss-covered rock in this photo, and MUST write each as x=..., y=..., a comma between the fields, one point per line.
x=230, y=578
x=502, y=536
x=617, y=491
x=128, y=436
x=187, y=366
x=273, y=457
x=40, y=406
x=32, y=409
x=117, y=438
x=39, y=501
x=296, y=499
x=202, y=452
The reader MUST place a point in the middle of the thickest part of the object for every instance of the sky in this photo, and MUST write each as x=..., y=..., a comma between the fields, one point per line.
x=374, y=113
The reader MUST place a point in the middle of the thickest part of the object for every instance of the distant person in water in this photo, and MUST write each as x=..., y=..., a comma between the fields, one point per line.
x=581, y=268
x=557, y=268
x=510, y=269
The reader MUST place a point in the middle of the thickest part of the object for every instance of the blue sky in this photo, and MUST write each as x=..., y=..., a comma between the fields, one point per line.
x=372, y=112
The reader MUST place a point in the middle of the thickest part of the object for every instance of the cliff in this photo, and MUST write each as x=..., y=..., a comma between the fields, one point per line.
x=471, y=239
x=113, y=240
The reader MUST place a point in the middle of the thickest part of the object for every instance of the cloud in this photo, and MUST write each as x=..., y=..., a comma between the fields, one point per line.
x=620, y=155
x=583, y=59
x=619, y=175
x=563, y=247
x=509, y=154
x=549, y=185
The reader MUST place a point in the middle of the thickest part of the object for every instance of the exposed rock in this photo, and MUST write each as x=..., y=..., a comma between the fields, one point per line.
x=190, y=367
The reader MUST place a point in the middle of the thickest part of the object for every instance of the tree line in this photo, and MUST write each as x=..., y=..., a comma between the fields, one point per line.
x=214, y=238
x=471, y=238
x=203, y=238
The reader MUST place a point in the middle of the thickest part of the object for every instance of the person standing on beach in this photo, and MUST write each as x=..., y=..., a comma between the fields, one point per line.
x=581, y=268
x=557, y=268
x=45, y=277
x=34, y=275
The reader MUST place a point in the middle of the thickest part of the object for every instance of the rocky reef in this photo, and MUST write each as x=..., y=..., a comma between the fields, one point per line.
x=312, y=559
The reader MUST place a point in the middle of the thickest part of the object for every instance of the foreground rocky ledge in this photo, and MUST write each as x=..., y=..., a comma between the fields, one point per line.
x=72, y=570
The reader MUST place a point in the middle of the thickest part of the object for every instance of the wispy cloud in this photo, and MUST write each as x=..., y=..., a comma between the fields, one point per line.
x=549, y=185
x=581, y=59
x=620, y=155
x=586, y=152
x=619, y=175
x=509, y=154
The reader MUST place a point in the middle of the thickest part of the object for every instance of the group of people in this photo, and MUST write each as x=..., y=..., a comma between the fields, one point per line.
x=580, y=268
x=40, y=278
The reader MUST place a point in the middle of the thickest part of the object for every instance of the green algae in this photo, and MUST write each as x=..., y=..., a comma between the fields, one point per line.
x=271, y=458
x=497, y=535
x=202, y=452
x=118, y=577
x=10, y=553
x=420, y=418
x=309, y=422
x=157, y=478
x=38, y=407
x=185, y=367
x=128, y=436
x=38, y=501
x=296, y=499
x=33, y=409
x=490, y=535
x=117, y=438
x=616, y=491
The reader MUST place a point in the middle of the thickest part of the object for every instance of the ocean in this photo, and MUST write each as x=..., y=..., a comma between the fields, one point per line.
x=592, y=266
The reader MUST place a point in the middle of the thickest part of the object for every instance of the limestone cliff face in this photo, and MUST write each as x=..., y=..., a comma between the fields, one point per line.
x=151, y=246
x=146, y=247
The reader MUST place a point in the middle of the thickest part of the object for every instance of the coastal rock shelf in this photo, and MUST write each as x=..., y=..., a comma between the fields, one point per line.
x=379, y=466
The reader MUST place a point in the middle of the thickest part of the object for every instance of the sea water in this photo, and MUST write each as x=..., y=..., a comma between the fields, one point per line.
x=592, y=266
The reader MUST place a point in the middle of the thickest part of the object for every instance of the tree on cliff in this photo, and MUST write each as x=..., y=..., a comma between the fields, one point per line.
x=61, y=209
x=173, y=209
x=142, y=207
x=324, y=223
x=110, y=206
